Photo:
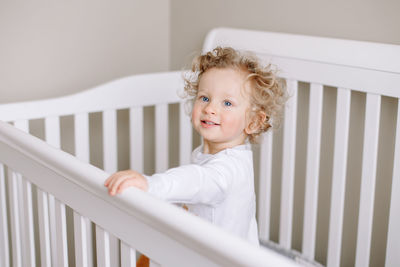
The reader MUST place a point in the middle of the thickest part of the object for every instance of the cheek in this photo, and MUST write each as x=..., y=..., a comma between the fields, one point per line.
x=235, y=122
x=195, y=112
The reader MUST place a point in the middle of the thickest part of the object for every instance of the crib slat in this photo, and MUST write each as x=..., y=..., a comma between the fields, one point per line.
x=368, y=177
x=4, y=247
x=110, y=140
x=82, y=225
x=128, y=256
x=110, y=166
x=52, y=136
x=29, y=240
x=26, y=211
x=288, y=165
x=44, y=228
x=393, y=236
x=136, y=138
x=82, y=255
x=264, y=203
x=61, y=226
x=102, y=247
x=58, y=231
x=185, y=136
x=161, y=134
x=52, y=131
x=15, y=219
x=339, y=176
x=312, y=171
x=81, y=122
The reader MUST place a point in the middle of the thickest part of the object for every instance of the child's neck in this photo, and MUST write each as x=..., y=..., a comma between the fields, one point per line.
x=214, y=148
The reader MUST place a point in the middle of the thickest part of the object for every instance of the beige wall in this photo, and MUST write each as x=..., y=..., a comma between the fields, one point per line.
x=53, y=48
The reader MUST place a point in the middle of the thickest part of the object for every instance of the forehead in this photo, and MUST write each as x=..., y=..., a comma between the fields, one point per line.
x=228, y=81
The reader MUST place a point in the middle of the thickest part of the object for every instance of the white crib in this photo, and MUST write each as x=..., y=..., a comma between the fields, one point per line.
x=323, y=166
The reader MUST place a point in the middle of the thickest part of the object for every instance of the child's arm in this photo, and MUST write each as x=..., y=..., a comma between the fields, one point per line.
x=119, y=181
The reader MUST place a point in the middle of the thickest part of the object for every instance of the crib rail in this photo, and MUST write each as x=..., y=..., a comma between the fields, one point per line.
x=137, y=219
x=132, y=91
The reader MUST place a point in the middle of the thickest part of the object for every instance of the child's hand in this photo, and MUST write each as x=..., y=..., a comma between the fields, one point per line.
x=119, y=181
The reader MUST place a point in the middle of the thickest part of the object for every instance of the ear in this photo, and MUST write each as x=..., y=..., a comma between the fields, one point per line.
x=255, y=122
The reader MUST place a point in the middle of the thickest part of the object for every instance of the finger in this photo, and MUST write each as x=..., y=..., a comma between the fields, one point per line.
x=115, y=178
x=114, y=184
x=131, y=182
x=137, y=181
x=111, y=177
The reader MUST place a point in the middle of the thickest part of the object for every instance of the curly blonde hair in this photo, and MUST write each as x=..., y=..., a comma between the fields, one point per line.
x=268, y=92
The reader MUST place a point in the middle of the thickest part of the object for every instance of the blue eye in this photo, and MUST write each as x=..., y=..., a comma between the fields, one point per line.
x=204, y=99
x=227, y=103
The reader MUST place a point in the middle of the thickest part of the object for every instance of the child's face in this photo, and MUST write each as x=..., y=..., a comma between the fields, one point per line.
x=220, y=108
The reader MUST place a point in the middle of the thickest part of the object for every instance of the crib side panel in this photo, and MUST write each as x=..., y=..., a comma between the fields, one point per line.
x=137, y=219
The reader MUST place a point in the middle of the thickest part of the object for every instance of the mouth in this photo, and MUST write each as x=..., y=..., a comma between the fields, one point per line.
x=207, y=123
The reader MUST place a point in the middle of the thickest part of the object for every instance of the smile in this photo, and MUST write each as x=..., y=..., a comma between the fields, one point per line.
x=207, y=124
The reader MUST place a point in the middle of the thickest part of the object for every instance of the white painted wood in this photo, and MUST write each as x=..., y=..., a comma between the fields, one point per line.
x=128, y=256
x=161, y=136
x=52, y=136
x=44, y=228
x=26, y=210
x=312, y=170
x=185, y=135
x=110, y=166
x=132, y=91
x=368, y=177
x=136, y=138
x=288, y=166
x=4, y=247
x=81, y=129
x=81, y=242
x=29, y=239
x=61, y=226
x=393, y=236
x=52, y=131
x=339, y=176
x=82, y=226
x=264, y=190
x=15, y=221
x=110, y=140
x=137, y=218
x=385, y=57
x=102, y=247
x=359, y=79
x=56, y=209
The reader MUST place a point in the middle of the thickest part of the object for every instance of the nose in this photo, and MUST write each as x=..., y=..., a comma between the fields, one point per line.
x=210, y=108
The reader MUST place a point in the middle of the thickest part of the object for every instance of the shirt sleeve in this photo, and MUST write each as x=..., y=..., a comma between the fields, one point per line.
x=193, y=184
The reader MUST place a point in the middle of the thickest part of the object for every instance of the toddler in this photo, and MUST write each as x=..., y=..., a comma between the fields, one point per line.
x=234, y=99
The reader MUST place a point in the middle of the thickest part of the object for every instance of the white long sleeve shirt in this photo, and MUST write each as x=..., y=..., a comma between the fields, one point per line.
x=217, y=187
